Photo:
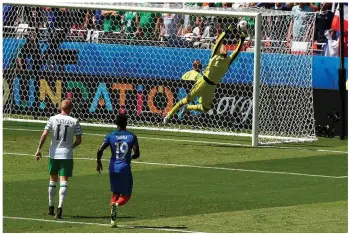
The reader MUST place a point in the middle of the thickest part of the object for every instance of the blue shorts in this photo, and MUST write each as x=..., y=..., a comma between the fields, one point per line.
x=121, y=182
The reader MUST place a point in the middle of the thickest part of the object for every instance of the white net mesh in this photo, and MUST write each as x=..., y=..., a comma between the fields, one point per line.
x=112, y=61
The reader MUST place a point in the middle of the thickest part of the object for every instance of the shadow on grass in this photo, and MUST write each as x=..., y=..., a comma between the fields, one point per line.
x=100, y=217
x=154, y=227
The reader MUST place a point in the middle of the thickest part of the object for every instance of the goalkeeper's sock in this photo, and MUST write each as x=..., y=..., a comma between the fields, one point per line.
x=123, y=200
x=63, y=190
x=114, y=198
x=195, y=108
x=182, y=102
x=51, y=193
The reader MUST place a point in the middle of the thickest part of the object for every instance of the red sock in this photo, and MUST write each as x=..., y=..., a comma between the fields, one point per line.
x=114, y=198
x=123, y=199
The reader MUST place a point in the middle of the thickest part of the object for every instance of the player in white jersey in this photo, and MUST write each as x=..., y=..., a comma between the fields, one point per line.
x=63, y=128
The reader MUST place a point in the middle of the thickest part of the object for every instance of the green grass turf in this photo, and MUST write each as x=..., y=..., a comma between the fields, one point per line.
x=182, y=198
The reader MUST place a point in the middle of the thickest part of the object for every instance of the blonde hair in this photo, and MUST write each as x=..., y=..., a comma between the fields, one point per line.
x=67, y=105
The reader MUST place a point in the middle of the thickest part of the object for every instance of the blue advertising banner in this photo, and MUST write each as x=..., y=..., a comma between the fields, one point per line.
x=149, y=62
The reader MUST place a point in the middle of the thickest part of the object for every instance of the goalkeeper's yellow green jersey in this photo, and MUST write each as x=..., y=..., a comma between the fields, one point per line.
x=191, y=75
x=219, y=64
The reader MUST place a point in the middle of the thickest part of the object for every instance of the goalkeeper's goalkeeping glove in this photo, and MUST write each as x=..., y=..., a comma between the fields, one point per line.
x=242, y=33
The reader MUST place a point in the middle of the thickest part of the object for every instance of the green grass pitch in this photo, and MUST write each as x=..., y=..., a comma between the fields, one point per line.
x=182, y=183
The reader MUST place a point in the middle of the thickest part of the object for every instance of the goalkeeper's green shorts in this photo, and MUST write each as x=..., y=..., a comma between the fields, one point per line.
x=203, y=90
x=61, y=167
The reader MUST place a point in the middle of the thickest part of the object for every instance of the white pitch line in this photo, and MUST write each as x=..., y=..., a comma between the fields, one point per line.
x=101, y=224
x=204, y=142
x=204, y=167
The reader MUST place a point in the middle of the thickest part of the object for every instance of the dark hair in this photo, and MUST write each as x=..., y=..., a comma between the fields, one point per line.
x=197, y=65
x=121, y=121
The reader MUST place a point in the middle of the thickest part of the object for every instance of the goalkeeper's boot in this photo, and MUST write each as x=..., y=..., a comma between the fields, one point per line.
x=59, y=213
x=113, y=213
x=51, y=210
x=166, y=119
x=184, y=110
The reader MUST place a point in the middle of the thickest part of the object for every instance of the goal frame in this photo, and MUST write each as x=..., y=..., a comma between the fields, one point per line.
x=257, y=50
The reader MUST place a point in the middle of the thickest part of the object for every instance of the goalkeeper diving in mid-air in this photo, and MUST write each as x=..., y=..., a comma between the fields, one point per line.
x=206, y=84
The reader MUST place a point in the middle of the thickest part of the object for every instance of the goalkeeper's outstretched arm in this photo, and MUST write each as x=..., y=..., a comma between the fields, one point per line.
x=238, y=48
x=218, y=44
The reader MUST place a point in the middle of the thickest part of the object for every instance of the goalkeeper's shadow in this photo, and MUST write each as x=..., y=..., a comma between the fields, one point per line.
x=159, y=227
x=201, y=138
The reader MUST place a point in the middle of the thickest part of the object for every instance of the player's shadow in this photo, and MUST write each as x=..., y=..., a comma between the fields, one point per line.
x=218, y=146
x=159, y=227
x=100, y=217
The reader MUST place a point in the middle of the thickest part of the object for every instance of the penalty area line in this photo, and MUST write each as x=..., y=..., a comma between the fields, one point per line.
x=168, y=229
x=204, y=167
x=200, y=142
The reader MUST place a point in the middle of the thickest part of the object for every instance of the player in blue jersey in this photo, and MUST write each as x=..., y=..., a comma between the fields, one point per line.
x=121, y=143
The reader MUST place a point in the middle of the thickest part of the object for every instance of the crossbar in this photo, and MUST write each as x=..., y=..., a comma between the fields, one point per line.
x=129, y=8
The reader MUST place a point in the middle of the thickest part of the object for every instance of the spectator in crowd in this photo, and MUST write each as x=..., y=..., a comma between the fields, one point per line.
x=189, y=18
x=170, y=24
x=113, y=21
x=183, y=38
x=93, y=24
x=278, y=6
x=62, y=19
x=290, y=5
x=94, y=20
x=171, y=27
x=315, y=6
x=183, y=29
x=331, y=48
x=59, y=26
x=265, y=5
x=195, y=35
x=210, y=28
x=299, y=29
x=148, y=25
x=29, y=56
x=10, y=17
x=130, y=26
x=199, y=25
x=227, y=4
x=210, y=34
x=51, y=18
x=237, y=5
x=35, y=17
x=78, y=19
x=208, y=4
x=302, y=7
x=323, y=22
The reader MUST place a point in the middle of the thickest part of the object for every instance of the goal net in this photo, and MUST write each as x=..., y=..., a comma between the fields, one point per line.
x=130, y=58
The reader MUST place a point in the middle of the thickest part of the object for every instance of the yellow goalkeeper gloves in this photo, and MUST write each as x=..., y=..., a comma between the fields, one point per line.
x=243, y=34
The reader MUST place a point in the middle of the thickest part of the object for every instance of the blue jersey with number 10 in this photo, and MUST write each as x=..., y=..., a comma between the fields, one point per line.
x=121, y=143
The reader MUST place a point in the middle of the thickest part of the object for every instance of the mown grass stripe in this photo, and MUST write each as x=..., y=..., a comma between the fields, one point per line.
x=101, y=224
x=201, y=142
x=205, y=167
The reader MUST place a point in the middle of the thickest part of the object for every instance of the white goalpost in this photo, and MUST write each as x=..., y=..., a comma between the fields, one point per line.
x=112, y=58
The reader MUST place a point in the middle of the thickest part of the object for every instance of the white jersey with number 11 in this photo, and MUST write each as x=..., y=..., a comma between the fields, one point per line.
x=63, y=128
